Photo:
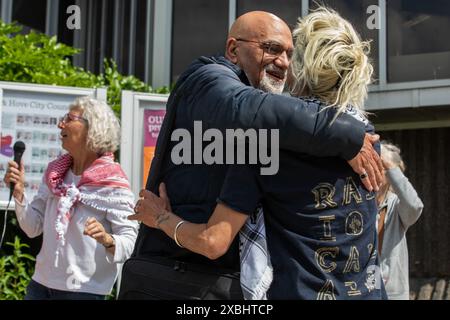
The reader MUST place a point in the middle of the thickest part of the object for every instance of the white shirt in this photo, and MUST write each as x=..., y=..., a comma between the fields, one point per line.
x=84, y=265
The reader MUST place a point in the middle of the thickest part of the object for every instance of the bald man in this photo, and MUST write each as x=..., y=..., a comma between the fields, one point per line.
x=262, y=50
x=188, y=260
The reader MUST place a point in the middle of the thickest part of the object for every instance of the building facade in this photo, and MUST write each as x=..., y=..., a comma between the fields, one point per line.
x=410, y=98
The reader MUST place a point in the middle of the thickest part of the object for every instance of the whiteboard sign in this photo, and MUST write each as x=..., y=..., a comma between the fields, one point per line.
x=30, y=113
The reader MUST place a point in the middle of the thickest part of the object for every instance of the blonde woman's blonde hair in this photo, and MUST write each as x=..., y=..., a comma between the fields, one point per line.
x=330, y=61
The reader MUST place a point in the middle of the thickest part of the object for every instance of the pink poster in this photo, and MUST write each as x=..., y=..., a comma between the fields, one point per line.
x=152, y=125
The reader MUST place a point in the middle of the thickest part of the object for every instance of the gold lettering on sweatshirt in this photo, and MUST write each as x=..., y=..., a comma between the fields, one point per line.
x=351, y=191
x=323, y=195
x=327, y=291
x=321, y=255
x=327, y=235
x=352, y=288
x=352, y=261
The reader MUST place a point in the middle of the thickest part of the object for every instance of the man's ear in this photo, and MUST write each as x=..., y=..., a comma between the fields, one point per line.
x=231, y=50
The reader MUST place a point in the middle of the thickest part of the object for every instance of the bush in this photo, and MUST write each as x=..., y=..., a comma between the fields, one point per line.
x=38, y=58
x=41, y=59
x=15, y=272
x=117, y=82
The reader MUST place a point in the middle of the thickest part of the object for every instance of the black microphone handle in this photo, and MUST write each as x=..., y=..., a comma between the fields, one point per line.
x=17, y=159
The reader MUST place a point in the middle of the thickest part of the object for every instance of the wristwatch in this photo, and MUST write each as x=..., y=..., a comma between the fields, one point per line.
x=112, y=244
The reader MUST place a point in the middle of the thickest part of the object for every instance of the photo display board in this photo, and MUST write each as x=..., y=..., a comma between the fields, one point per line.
x=31, y=114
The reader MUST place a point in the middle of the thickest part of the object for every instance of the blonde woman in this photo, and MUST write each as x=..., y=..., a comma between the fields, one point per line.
x=330, y=62
x=319, y=219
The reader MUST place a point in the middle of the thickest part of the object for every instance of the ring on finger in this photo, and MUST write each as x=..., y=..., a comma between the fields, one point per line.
x=363, y=175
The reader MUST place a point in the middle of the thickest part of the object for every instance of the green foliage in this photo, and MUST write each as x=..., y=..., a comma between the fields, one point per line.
x=38, y=58
x=117, y=82
x=15, y=271
x=113, y=294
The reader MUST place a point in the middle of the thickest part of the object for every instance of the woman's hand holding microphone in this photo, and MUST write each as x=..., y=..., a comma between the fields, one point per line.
x=16, y=175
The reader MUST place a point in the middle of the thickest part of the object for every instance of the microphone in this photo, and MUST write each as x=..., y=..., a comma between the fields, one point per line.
x=19, y=148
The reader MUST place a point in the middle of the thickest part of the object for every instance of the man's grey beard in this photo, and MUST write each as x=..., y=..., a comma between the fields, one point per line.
x=268, y=84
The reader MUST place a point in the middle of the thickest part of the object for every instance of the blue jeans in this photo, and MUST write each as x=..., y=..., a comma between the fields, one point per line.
x=36, y=291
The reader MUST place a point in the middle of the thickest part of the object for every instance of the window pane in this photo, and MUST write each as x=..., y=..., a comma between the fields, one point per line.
x=141, y=26
x=288, y=10
x=103, y=43
x=94, y=40
x=30, y=14
x=65, y=35
x=418, y=40
x=200, y=27
x=356, y=13
x=125, y=38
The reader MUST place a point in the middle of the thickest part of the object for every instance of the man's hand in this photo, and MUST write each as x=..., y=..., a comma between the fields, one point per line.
x=151, y=209
x=368, y=165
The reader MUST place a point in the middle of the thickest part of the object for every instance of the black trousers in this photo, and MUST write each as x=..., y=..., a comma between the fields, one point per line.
x=158, y=278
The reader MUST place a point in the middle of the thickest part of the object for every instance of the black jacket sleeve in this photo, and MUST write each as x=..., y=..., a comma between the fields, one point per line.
x=218, y=98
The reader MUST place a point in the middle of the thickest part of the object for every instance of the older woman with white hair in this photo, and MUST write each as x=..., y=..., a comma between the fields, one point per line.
x=81, y=208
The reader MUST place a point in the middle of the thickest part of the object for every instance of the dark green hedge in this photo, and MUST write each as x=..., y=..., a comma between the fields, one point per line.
x=38, y=58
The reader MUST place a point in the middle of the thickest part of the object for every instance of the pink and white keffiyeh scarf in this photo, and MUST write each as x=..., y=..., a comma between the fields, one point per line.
x=103, y=186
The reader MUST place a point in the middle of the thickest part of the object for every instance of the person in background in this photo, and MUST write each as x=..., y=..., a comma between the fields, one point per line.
x=81, y=209
x=399, y=207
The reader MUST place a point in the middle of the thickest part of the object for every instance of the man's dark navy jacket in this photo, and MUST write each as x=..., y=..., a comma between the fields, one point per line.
x=217, y=92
